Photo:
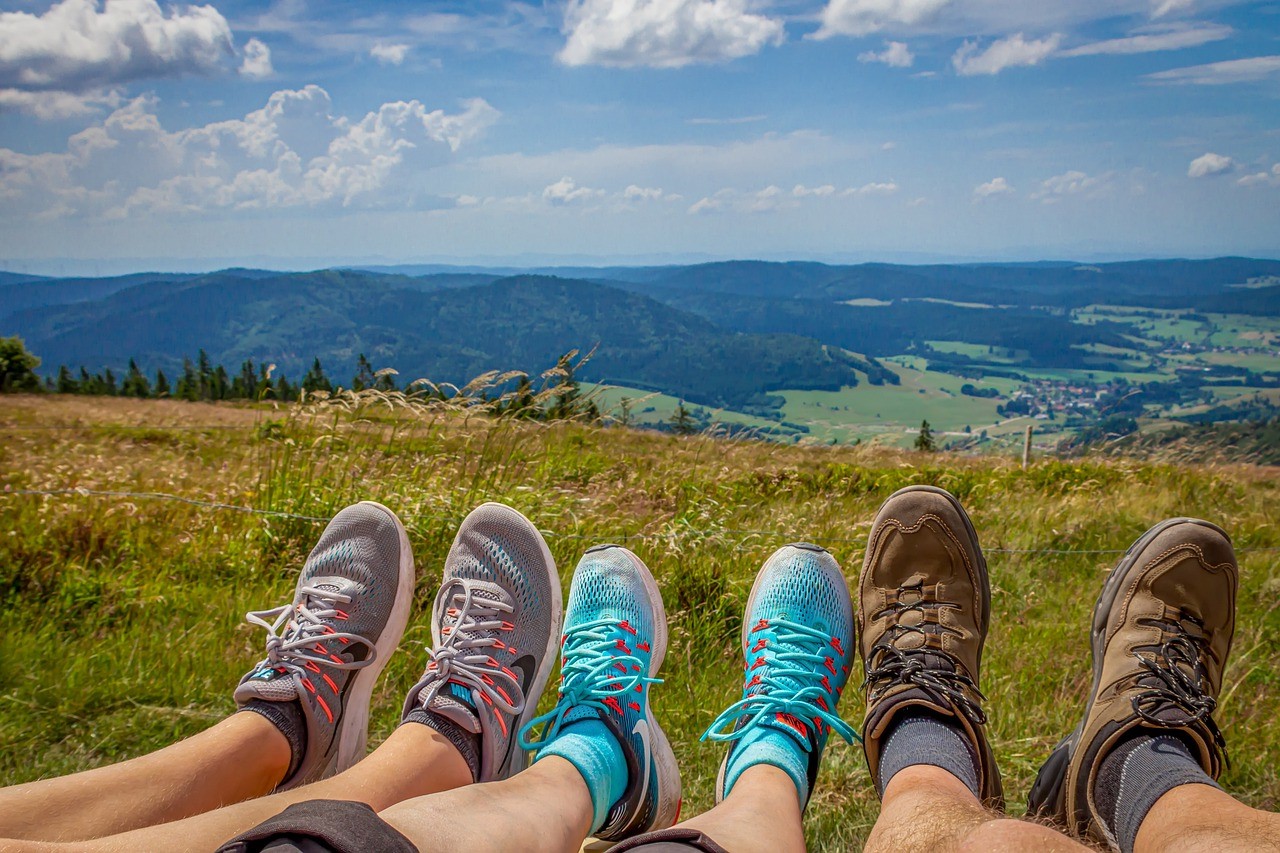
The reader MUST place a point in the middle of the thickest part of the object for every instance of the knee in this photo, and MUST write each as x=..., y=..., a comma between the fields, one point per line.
x=1010, y=834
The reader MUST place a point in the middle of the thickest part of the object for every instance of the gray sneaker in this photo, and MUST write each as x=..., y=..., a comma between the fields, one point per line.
x=494, y=631
x=326, y=649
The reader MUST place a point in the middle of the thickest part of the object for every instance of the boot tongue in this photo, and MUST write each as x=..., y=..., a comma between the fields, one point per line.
x=454, y=702
x=269, y=685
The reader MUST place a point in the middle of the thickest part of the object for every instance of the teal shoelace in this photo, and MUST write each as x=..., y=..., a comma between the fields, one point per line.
x=597, y=665
x=802, y=645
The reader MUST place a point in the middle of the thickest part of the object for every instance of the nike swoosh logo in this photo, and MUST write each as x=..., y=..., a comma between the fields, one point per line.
x=641, y=731
x=527, y=667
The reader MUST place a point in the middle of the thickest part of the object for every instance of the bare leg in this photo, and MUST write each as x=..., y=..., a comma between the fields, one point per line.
x=242, y=757
x=761, y=813
x=545, y=809
x=1194, y=818
x=413, y=762
x=926, y=808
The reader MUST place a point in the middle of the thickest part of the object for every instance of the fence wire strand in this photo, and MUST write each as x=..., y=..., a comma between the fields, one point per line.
x=550, y=534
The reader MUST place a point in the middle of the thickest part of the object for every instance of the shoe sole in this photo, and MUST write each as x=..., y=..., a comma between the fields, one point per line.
x=354, y=730
x=746, y=630
x=517, y=759
x=664, y=757
x=1047, y=789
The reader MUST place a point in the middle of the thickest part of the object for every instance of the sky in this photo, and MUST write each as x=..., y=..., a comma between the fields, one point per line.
x=137, y=134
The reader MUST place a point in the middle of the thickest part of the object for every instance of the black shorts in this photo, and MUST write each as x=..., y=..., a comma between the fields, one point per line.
x=339, y=826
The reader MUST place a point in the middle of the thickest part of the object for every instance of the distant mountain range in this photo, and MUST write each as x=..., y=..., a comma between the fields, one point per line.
x=718, y=334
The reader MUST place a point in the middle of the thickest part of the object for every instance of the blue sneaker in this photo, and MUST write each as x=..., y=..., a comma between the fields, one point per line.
x=615, y=636
x=797, y=639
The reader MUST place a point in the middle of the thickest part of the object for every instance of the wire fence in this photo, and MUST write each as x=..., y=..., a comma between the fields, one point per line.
x=550, y=534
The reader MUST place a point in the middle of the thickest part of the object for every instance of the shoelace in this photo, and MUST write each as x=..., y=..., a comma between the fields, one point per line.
x=300, y=646
x=593, y=673
x=1176, y=676
x=775, y=697
x=464, y=653
x=910, y=666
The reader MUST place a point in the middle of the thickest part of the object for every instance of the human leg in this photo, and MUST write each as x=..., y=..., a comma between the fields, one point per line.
x=1139, y=771
x=495, y=620
x=302, y=716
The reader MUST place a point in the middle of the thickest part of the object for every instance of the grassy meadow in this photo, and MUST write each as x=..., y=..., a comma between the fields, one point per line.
x=124, y=616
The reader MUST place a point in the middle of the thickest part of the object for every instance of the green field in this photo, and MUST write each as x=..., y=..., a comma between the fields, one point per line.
x=123, y=616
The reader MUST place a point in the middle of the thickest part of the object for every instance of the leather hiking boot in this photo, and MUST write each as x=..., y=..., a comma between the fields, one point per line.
x=1161, y=635
x=924, y=607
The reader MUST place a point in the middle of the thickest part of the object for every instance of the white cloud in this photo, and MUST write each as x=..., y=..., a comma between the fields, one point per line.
x=566, y=191
x=75, y=46
x=862, y=17
x=294, y=152
x=801, y=191
x=896, y=54
x=993, y=187
x=642, y=194
x=57, y=105
x=257, y=61
x=1209, y=164
x=1220, y=73
x=1011, y=52
x=1072, y=183
x=1166, y=38
x=389, y=54
x=1271, y=178
x=663, y=33
x=1160, y=8
x=875, y=188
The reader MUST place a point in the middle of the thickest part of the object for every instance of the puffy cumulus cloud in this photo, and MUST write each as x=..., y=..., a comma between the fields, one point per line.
x=389, y=54
x=992, y=188
x=634, y=193
x=1011, y=52
x=862, y=17
x=1209, y=164
x=1164, y=38
x=294, y=152
x=663, y=33
x=801, y=191
x=1249, y=70
x=874, y=188
x=1072, y=183
x=1271, y=178
x=566, y=191
x=257, y=61
x=896, y=54
x=76, y=46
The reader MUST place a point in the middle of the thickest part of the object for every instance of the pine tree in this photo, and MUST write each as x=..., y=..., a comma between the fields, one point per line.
x=364, y=375
x=521, y=403
x=17, y=366
x=221, y=383
x=85, y=385
x=285, y=392
x=245, y=385
x=925, y=441
x=109, y=384
x=204, y=376
x=263, y=387
x=135, y=384
x=162, y=384
x=315, y=380
x=682, y=422
x=66, y=385
x=189, y=383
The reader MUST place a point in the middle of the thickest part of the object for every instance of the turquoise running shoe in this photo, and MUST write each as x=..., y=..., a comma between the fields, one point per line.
x=615, y=637
x=797, y=638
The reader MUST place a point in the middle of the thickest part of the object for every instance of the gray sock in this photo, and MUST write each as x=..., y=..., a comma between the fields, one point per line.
x=464, y=741
x=287, y=717
x=1136, y=773
x=919, y=737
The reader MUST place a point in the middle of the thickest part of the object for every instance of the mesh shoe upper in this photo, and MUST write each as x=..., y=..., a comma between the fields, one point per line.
x=351, y=601
x=495, y=622
x=615, y=637
x=797, y=641
x=1162, y=632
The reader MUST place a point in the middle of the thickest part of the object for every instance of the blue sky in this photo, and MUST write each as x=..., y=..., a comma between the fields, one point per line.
x=295, y=133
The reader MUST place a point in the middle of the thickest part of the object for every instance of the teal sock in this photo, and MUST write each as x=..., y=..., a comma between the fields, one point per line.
x=766, y=745
x=590, y=747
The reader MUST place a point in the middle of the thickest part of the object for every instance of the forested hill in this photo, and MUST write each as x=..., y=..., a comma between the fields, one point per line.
x=447, y=333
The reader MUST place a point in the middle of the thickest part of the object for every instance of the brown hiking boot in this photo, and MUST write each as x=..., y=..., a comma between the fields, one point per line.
x=1161, y=635
x=924, y=606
